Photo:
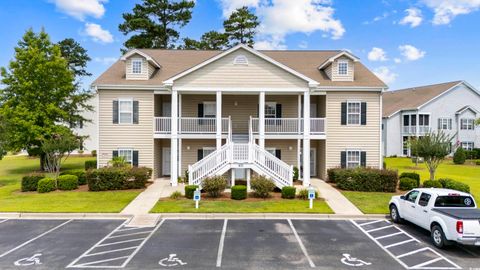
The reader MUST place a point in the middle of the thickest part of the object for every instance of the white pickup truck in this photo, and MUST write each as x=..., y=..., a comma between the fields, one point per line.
x=449, y=215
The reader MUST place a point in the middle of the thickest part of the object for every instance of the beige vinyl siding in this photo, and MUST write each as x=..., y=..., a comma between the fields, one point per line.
x=145, y=69
x=189, y=156
x=358, y=137
x=328, y=71
x=334, y=70
x=151, y=69
x=288, y=156
x=136, y=136
x=319, y=145
x=258, y=73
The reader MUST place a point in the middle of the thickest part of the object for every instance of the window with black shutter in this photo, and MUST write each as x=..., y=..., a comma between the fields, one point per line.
x=343, y=159
x=344, y=113
x=135, y=159
x=363, y=120
x=115, y=112
x=135, y=111
x=363, y=159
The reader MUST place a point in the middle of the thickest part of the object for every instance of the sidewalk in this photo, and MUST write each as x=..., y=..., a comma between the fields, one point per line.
x=339, y=204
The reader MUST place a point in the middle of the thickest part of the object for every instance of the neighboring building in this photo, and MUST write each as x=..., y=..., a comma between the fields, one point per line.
x=87, y=129
x=323, y=101
x=451, y=107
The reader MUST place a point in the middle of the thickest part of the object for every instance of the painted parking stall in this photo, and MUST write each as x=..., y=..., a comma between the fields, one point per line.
x=407, y=250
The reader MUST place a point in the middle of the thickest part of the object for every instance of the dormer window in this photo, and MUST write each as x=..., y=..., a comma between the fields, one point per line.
x=137, y=66
x=343, y=67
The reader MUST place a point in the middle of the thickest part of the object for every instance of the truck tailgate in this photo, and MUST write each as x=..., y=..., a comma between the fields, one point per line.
x=471, y=228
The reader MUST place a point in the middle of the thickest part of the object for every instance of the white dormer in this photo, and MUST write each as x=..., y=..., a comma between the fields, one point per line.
x=139, y=65
x=340, y=67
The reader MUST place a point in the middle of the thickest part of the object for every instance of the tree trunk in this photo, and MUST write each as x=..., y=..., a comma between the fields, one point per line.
x=432, y=174
x=42, y=162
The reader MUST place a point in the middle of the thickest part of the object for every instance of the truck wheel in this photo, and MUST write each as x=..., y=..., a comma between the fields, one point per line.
x=438, y=237
x=394, y=214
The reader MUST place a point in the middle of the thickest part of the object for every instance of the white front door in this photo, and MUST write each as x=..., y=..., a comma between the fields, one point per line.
x=166, y=161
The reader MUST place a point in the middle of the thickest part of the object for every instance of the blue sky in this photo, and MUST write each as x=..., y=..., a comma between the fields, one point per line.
x=406, y=42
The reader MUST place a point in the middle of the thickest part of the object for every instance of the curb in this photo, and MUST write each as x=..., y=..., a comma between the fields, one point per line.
x=64, y=216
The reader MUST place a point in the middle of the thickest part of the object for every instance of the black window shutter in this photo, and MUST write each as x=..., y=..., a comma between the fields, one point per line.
x=363, y=159
x=344, y=113
x=439, y=123
x=199, y=154
x=258, y=113
x=115, y=153
x=115, y=112
x=135, y=111
x=200, y=110
x=343, y=159
x=449, y=124
x=278, y=153
x=363, y=119
x=135, y=159
x=278, y=111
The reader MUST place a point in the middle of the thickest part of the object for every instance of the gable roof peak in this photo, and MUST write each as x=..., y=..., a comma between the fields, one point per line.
x=143, y=54
x=338, y=55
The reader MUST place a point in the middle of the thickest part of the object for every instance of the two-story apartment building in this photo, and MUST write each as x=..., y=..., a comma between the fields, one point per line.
x=238, y=112
x=451, y=107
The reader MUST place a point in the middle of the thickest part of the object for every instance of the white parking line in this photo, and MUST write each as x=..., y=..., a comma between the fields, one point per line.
x=388, y=235
x=412, y=252
x=109, y=251
x=220, y=245
x=89, y=264
x=1, y=221
x=420, y=265
x=121, y=242
x=128, y=234
x=371, y=222
x=33, y=239
x=302, y=247
x=400, y=243
x=378, y=229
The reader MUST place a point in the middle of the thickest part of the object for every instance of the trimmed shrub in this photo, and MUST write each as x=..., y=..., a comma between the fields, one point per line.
x=407, y=183
x=94, y=153
x=296, y=173
x=477, y=162
x=477, y=153
x=214, y=186
x=331, y=173
x=138, y=177
x=30, y=182
x=90, y=164
x=288, y=192
x=116, y=178
x=80, y=174
x=189, y=189
x=412, y=175
x=262, y=186
x=67, y=182
x=455, y=185
x=365, y=179
x=459, y=157
x=432, y=184
x=239, y=192
x=46, y=184
x=175, y=195
x=303, y=194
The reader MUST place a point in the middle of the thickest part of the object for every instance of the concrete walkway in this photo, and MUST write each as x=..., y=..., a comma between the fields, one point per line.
x=335, y=199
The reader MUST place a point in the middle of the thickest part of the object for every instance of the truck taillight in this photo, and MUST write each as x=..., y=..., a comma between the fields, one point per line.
x=460, y=226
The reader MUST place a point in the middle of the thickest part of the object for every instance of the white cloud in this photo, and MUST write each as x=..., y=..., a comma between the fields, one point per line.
x=98, y=34
x=303, y=44
x=446, y=10
x=105, y=60
x=272, y=44
x=397, y=60
x=377, y=54
x=385, y=74
x=228, y=6
x=378, y=18
x=410, y=52
x=80, y=9
x=414, y=17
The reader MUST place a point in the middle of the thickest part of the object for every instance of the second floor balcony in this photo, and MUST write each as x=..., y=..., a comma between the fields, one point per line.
x=412, y=130
x=278, y=126
x=190, y=125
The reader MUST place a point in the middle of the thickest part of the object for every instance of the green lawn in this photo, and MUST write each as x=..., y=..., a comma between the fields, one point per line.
x=377, y=202
x=13, y=200
x=231, y=206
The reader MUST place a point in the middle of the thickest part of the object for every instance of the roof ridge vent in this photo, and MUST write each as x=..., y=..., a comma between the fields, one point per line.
x=240, y=60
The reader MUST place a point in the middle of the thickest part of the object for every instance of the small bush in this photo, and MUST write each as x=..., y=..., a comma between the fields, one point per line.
x=455, y=185
x=432, y=184
x=407, y=183
x=115, y=178
x=80, y=174
x=303, y=194
x=186, y=176
x=288, y=192
x=214, y=186
x=365, y=179
x=189, y=189
x=30, y=182
x=94, y=153
x=296, y=173
x=175, y=195
x=477, y=162
x=239, y=192
x=47, y=184
x=331, y=173
x=137, y=177
x=459, y=157
x=67, y=182
x=90, y=164
x=262, y=186
x=412, y=175
x=384, y=165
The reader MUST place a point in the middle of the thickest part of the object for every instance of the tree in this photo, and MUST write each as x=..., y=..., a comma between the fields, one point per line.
x=211, y=40
x=459, y=157
x=3, y=147
x=40, y=95
x=433, y=148
x=241, y=27
x=57, y=149
x=477, y=122
x=155, y=23
x=76, y=57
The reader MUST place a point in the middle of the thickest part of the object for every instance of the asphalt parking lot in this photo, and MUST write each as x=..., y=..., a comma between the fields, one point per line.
x=227, y=244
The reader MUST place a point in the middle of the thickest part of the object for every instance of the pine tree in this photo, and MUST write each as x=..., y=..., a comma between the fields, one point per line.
x=241, y=27
x=211, y=40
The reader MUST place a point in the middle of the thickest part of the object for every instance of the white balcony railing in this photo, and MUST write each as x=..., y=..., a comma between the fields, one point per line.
x=412, y=130
x=190, y=125
x=289, y=125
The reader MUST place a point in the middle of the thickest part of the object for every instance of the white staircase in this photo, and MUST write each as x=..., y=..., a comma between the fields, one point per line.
x=241, y=151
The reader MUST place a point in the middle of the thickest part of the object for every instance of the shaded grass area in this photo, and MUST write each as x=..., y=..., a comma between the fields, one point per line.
x=13, y=168
x=370, y=202
x=232, y=206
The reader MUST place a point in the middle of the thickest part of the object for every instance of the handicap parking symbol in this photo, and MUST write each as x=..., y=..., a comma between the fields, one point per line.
x=34, y=260
x=171, y=260
x=352, y=261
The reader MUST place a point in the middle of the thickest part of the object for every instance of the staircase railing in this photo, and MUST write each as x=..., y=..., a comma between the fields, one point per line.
x=209, y=165
x=278, y=170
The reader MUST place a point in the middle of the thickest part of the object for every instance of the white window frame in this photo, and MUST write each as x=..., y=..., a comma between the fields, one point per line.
x=208, y=104
x=274, y=106
x=354, y=113
x=271, y=150
x=207, y=151
x=122, y=152
x=445, y=122
x=468, y=145
x=130, y=100
x=467, y=123
x=139, y=69
x=339, y=64
x=353, y=163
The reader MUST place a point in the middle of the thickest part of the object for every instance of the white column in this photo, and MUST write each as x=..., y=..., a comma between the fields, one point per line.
x=248, y=179
x=299, y=142
x=306, y=138
x=232, y=175
x=299, y=161
x=261, y=119
x=174, y=140
x=180, y=173
x=218, y=121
